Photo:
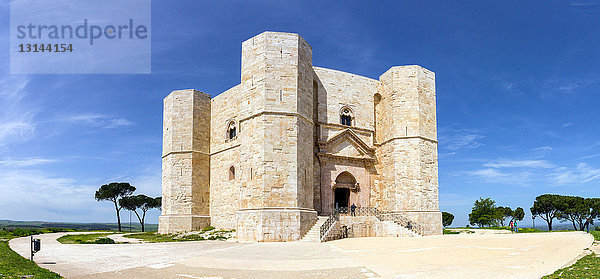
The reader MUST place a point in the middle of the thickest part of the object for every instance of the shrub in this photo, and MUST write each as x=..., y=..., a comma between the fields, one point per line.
x=209, y=228
x=104, y=240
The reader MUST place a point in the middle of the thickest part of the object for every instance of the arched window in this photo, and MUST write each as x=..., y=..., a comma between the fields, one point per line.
x=231, y=173
x=346, y=116
x=231, y=131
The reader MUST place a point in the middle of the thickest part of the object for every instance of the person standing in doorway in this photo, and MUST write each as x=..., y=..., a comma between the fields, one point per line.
x=353, y=210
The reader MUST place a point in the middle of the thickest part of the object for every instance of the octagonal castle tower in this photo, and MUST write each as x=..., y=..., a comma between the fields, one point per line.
x=293, y=141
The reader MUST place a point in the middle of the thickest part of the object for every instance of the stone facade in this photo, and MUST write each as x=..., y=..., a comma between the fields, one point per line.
x=293, y=141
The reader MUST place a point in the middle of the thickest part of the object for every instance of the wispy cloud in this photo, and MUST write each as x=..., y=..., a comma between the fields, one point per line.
x=583, y=173
x=47, y=197
x=542, y=148
x=452, y=199
x=97, y=120
x=523, y=172
x=507, y=177
x=461, y=139
x=16, y=117
x=590, y=156
x=567, y=125
x=588, y=7
x=564, y=86
x=27, y=162
x=519, y=164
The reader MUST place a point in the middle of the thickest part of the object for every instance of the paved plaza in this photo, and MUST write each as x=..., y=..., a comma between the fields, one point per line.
x=489, y=255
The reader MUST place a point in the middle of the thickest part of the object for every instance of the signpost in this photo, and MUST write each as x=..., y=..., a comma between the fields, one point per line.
x=36, y=246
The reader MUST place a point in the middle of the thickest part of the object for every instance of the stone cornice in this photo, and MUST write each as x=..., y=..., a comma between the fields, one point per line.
x=364, y=130
x=277, y=209
x=405, y=137
x=184, y=152
x=225, y=149
x=277, y=113
x=341, y=158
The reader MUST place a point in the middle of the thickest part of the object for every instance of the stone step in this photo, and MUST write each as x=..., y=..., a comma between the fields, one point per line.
x=314, y=234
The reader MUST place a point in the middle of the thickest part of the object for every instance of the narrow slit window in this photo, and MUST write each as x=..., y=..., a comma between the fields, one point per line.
x=231, y=173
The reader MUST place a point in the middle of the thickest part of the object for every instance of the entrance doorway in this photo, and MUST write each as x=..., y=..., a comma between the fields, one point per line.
x=342, y=195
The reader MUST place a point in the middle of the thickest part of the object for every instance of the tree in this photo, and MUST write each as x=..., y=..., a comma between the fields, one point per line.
x=158, y=200
x=503, y=213
x=518, y=214
x=447, y=219
x=577, y=210
x=595, y=206
x=113, y=192
x=141, y=202
x=548, y=207
x=484, y=213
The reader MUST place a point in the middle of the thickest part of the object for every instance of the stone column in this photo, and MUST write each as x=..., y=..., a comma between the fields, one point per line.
x=185, y=162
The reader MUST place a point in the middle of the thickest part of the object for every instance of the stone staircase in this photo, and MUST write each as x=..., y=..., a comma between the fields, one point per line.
x=314, y=234
x=395, y=229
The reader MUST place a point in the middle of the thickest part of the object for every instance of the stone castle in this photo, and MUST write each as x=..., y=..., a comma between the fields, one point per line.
x=293, y=141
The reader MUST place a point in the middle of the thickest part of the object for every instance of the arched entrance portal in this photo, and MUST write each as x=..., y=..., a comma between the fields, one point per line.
x=341, y=190
x=342, y=195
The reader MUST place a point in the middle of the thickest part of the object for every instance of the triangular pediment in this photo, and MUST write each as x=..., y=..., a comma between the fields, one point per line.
x=347, y=144
x=346, y=148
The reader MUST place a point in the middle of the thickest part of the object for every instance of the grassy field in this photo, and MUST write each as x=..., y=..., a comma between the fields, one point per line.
x=208, y=233
x=88, y=238
x=445, y=231
x=586, y=267
x=12, y=265
x=596, y=235
x=76, y=226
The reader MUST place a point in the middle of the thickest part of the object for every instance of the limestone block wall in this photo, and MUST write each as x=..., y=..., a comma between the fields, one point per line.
x=274, y=224
x=276, y=139
x=407, y=140
x=225, y=153
x=370, y=226
x=430, y=221
x=408, y=93
x=339, y=89
x=186, y=164
x=408, y=179
x=276, y=71
x=344, y=89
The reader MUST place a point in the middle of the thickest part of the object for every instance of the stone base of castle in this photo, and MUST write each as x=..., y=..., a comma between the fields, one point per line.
x=430, y=221
x=182, y=223
x=274, y=224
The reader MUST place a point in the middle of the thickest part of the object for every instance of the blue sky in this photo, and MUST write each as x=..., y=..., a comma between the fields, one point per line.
x=517, y=96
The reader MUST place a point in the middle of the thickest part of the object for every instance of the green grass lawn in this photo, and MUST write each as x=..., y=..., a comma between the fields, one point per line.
x=89, y=238
x=586, y=267
x=445, y=231
x=596, y=235
x=208, y=233
x=12, y=265
x=155, y=237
